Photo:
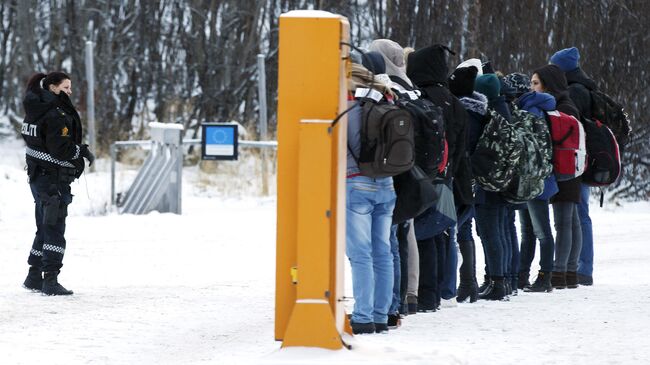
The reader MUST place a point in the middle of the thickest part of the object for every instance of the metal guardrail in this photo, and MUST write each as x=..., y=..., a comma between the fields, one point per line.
x=115, y=146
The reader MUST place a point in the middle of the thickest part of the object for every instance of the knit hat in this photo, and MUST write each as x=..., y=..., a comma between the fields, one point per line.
x=473, y=62
x=488, y=85
x=517, y=81
x=566, y=59
x=374, y=62
x=461, y=81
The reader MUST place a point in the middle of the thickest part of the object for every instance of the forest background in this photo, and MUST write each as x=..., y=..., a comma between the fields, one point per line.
x=193, y=61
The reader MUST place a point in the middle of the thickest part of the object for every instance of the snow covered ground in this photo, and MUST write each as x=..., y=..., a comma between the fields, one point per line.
x=199, y=288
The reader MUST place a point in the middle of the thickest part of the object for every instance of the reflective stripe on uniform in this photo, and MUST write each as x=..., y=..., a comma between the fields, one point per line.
x=47, y=157
x=58, y=249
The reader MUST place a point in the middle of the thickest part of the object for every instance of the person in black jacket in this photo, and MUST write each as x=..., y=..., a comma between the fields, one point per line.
x=54, y=155
x=427, y=68
x=568, y=242
x=580, y=87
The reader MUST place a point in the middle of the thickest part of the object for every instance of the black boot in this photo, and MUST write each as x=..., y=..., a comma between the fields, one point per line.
x=522, y=281
x=486, y=283
x=468, y=287
x=571, y=279
x=558, y=280
x=542, y=284
x=495, y=291
x=34, y=280
x=51, y=285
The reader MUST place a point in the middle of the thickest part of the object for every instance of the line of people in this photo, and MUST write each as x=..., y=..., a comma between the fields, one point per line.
x=409, y=267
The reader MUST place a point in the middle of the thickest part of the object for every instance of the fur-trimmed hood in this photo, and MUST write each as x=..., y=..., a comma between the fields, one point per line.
x=477, y=103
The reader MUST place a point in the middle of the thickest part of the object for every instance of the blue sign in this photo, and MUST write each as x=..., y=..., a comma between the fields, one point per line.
x=219, y=141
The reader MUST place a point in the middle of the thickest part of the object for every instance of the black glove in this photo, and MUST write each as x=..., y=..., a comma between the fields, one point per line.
x=85, y=152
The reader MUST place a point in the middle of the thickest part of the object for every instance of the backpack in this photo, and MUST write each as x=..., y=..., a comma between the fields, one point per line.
x=610, y=113
x=535, y=164
x=387, y=143
x=569, y=145
x=497, y=154
x=431, y=151
x=603, y=158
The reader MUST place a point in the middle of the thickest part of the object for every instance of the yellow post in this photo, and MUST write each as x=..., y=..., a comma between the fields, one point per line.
x=311, y=182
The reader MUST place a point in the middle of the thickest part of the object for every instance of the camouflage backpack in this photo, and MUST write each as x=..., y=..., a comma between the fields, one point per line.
x=535, y=164
x=497, y=155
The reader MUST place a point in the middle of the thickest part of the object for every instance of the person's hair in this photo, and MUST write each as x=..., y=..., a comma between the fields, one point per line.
x=53, y=78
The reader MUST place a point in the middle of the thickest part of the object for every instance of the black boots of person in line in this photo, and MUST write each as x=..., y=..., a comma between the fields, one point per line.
x=468, y=287
x=51, y=285
x=496, y=290
x=542, y=284
x=522, y=280
x=571, y=279
x=558, y=280
x=34, y=280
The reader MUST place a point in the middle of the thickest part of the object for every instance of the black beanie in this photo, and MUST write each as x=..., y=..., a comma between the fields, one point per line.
x=461, y=81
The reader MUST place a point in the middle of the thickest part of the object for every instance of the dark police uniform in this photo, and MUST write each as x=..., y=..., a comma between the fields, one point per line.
x=52, y=132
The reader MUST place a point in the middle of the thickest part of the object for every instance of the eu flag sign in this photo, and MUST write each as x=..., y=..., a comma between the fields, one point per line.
x=219, y=141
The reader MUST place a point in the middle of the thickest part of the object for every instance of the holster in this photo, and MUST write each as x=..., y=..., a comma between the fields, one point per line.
x=51, y=209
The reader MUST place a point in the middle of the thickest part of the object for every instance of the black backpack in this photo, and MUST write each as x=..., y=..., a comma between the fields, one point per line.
x=603, y=157
x=387, y=140
x=415, y=194
x=429, y=133
x=611, y=113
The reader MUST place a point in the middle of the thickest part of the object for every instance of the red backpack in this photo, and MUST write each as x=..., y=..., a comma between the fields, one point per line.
x=569, y=145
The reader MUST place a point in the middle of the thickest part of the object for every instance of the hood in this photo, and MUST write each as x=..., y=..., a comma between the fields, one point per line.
x=536, y=103
x=37, y=104
x=374, y=62
x=393, y=55
x=428, y=66
x=553, y=79
x=577, y=76
x=476, y=103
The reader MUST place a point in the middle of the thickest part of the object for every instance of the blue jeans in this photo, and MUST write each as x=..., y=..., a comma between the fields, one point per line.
x=586, y=262
x=370, y=204
x=449, y=265
x=397, y=269
x=569, y=236
x=490, y=223
x=536, y=225
x=511, y=259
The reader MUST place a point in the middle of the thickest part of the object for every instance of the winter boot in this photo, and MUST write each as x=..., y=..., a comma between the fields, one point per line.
x=381, y=328
x=412, y=304
x=468, y=288
x=542, y=284
x=51, y=285
x=495, y=291
x=571, y=279
x=34, y=280
x=394, y=321
x=486, y=283
x=362, y=328
x=522, y=281
x=585, y=279
x=558, y=280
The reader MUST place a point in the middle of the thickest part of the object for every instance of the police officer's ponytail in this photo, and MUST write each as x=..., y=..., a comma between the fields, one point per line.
x=53, y=78
x=34, y=83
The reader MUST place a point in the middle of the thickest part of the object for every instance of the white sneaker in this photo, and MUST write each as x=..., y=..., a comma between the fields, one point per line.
x=448, y=303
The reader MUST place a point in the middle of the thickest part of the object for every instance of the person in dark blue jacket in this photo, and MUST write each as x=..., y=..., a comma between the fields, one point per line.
x=580, y=87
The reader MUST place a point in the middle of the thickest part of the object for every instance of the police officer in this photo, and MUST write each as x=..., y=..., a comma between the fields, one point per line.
x=54, y=154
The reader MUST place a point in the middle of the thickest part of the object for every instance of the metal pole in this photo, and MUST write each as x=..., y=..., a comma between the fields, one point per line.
x=113, y=158
x=90, y=99
x=261, y=92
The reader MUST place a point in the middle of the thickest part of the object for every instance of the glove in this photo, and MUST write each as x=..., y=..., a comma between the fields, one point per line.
x=85, y=152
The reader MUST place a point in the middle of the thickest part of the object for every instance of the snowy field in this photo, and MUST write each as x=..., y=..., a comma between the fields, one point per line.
x=199, y=289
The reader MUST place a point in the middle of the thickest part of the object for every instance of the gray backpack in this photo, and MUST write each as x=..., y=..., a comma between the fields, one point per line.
x=387, y=140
